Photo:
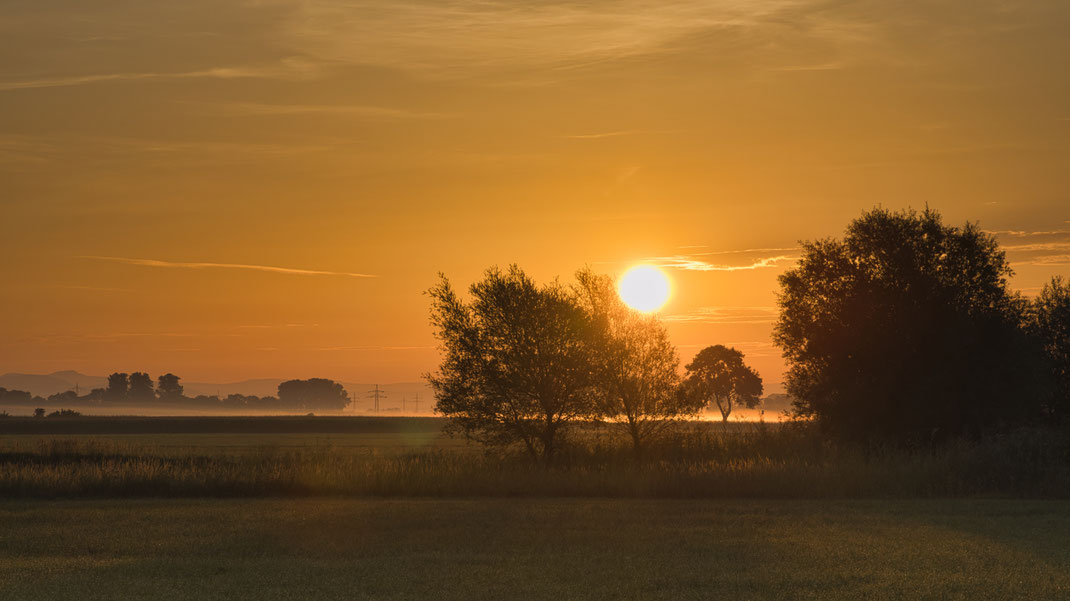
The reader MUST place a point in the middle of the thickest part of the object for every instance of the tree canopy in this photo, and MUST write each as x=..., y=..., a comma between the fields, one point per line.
x=635, y=364
x=719, y=376
x=314, y=393
x=905, y=327
x=516, y=360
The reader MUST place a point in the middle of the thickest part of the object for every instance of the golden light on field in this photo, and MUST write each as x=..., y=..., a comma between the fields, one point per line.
x=644, y=288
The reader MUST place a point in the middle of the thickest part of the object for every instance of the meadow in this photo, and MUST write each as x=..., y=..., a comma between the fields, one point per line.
x=474, y=549
x=399, y=457
x=373, y=508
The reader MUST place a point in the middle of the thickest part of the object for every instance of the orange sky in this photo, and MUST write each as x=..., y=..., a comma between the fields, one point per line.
x=156, y=156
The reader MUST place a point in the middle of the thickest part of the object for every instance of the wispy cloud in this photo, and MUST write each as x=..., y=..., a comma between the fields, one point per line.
x=1036, y=247
x=691, y=263
x=353, y=110
x=726, y=315
x=79, y=80
x=617, y=134
x=201, y=265
x=372, y=348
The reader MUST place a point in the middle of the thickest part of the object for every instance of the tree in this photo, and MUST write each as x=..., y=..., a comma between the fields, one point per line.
x=905, y=329
x=718, y=375
x=140, y=390
x=39, y=412
x=168, y=388
x=118, y=387
x=635, y=364
x=314, y=393
x=1051, y=323
x=516, y=367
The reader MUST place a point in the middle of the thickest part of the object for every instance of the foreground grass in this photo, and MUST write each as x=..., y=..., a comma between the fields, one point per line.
x=534, y=549
x=705, y=462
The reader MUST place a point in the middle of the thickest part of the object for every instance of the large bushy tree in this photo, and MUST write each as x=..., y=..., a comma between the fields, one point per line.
x=314, y=393
x=636, y=365
x=118, y=387
x=140, y=389
x=516, y=363
x=168, y=387
x=718, y=376
x=905, y=328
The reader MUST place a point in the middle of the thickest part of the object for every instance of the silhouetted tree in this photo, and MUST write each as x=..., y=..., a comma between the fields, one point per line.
x=20, y=397
x=314, y=393
x=905, y=329
x=718, y=375
x=68, y=396
x=39, y=412
x=168, y=388
x=635, y=364
x=1051, y=323
x=516, y=365
x=118, y=387
x=141, y=388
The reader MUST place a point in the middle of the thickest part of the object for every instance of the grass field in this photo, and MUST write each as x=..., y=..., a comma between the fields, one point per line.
x=413, y=458
x=557, y=549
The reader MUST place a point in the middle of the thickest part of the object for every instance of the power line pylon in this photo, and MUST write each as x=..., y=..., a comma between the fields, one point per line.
x=376, y=393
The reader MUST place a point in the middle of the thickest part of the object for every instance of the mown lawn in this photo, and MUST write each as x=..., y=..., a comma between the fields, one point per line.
x=557, y=549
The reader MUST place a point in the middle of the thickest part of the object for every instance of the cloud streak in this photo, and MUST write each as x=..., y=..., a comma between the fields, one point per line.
x=691, y=263
x=240, y=266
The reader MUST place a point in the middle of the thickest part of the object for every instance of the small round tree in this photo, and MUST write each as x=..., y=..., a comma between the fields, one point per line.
x=717, y=375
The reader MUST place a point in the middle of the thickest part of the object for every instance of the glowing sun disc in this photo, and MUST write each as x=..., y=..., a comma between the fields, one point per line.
x=644, y=288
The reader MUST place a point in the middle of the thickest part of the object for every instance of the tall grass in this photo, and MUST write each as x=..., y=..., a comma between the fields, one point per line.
x=701, y=462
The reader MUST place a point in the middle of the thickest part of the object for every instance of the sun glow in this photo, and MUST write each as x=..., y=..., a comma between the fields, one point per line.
x=644, y=288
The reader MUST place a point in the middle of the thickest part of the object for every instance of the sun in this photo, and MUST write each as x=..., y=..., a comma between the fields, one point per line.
x=644, y=288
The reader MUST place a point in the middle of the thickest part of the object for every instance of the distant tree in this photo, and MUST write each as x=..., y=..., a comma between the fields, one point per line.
x=1051, y=323
x=314, y=393
x=19, y=397
x=141, y=389
x=905, y=329
x=635, y=364
x=96, y=394
x=168, y=388
x=516, y=365
x=719, y=376
x=118, y=387
x=39, y=412
x=68, y=396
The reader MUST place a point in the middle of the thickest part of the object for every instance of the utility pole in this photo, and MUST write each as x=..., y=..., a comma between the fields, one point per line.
x=417, y=412
x=376, y=393
x=403, y=399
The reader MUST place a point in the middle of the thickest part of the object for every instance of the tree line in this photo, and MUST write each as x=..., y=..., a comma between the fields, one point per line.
x=138, y=388
x=906, y=330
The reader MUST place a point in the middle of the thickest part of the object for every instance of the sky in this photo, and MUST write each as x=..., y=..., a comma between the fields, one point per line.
x=235, y=189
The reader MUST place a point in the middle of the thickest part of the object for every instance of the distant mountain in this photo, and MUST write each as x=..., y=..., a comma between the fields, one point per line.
x=396, y=393
x=49, y=384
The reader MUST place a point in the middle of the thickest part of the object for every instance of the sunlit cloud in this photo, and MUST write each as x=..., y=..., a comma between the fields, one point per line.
x=359, y=111
x=287, y=68
x=617, y=134
x=690, y=263
x=200, y=265
x=726, y=315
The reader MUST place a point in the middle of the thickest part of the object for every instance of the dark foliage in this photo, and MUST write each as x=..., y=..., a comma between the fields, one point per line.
x=314, y=393
x=905, y=329
x=168, y=388
x=1051, y=324
x=635, y=364
x=516, y=365
x=717, y=375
